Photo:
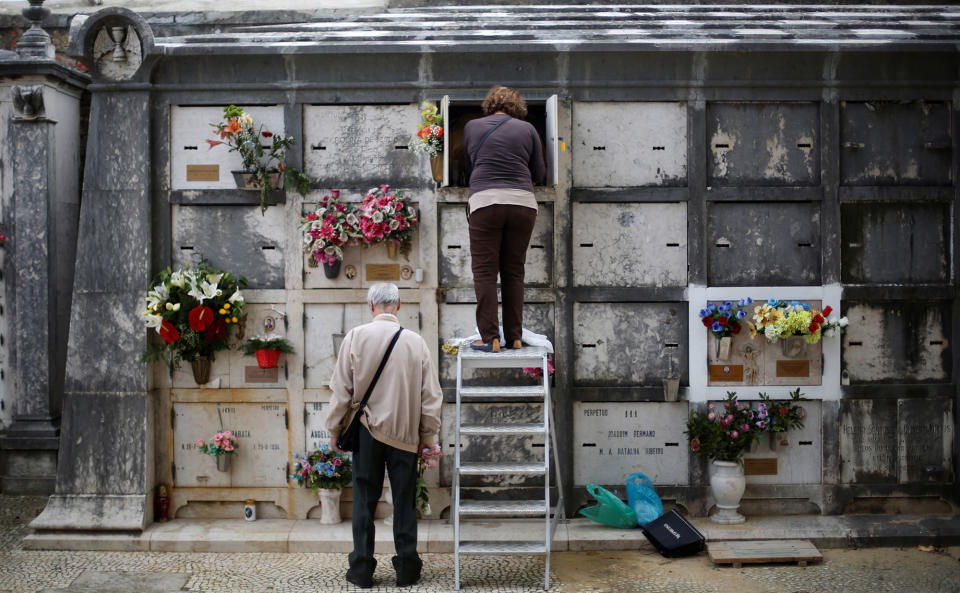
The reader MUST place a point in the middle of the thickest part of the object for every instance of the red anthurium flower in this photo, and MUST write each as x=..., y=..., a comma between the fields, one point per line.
x=200, y=318
x=216, y=331
x=828, y=310
x=168, y=332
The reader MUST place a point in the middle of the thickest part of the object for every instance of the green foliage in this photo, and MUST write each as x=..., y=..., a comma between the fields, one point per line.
x=254, y=344
x=782, y=415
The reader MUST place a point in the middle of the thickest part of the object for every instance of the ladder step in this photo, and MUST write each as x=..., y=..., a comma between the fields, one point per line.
x=526, y=508
x=503, y=548
x=505, y=359
x=532, y=428
x=487, y=468
x=516, y=391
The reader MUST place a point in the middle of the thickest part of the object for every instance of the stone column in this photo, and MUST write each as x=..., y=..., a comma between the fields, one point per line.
x=30, y=444
x=106, y=454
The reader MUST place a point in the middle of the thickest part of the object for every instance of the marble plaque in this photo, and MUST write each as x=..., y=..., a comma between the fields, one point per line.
x=641, y=245
x=868, y=441
x=798, y=452
x=925, y=434
x=189, y=131
x=315, y=415
x=262, y=452
x=326, y=324
x=614, y=440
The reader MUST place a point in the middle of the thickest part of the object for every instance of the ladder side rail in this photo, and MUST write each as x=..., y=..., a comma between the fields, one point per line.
x=548, y=429
x=456, y=478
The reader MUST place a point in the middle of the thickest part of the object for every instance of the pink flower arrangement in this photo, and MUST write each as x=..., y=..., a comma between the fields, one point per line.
x=223, y=443
x=387, y=216
x=537, y=371
x=329, y=228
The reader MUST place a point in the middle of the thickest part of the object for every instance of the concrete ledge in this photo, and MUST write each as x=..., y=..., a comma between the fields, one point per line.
x=281, y=535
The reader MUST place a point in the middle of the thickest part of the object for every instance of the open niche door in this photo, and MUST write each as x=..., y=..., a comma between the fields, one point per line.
x=542, y=114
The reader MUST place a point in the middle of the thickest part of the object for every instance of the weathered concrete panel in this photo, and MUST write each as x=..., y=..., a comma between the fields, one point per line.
x=262, y=452
x=629, y=144
x=890, y=242
x=628, y=343
x=897, y=342
x=925, y=431
x=642, y=244
x=868, y=441
x=763, y=244
x=326, y=324
x=237, y=239
x=190, y=129
x=894, y=142
x=763, y=144
x=798, y=451
x=614, y=440
x=505, y=448
x=455, y=259
x=459, y=321
x=361, y=145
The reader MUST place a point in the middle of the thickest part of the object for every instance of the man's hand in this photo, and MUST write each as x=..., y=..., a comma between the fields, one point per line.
x=333, y=445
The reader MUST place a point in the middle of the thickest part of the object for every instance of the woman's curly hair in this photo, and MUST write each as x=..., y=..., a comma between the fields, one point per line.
x=506, y=99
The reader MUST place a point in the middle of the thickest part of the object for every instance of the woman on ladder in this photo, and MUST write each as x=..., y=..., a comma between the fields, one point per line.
x=505, y=159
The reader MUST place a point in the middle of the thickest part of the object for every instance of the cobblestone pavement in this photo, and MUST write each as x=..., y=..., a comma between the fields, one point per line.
x=873, y=570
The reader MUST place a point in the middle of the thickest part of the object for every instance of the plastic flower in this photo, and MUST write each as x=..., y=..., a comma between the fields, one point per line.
x=694, y=444
x=168, y=332
x=734, y=434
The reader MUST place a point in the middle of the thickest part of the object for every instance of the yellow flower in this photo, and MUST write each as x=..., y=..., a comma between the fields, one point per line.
x=234, y=319
x=226, y=305
x=222, y=311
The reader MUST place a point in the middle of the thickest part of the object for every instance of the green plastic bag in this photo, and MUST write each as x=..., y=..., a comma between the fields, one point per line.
x=609, y=509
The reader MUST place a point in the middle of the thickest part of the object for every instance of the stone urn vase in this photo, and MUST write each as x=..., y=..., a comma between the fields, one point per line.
x=330, y=506
x=331, y=271
x=794, y=346
x=727, y=483
x=436, y=167
x=201, y=369
x=223, y=462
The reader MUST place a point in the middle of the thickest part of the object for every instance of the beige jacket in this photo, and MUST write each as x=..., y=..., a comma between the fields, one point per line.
x=404, y=408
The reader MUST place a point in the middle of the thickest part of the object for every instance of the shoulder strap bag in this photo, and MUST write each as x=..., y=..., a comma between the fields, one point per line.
x=349, y=439
x=473, y=156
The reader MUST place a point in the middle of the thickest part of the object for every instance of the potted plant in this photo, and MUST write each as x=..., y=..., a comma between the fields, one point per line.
x=387, y=217
x=264, y=168
x=723, y=434
x=267, y=350
x=222, y=446
x=329, y=228
x=193, y=310
x=326, y=471
x=779, y=416
x=723, y=320
x=430, y=138
x=795, y=323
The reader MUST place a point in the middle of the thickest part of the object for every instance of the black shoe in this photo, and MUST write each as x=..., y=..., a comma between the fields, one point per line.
x=408, y=572
x=360, y=582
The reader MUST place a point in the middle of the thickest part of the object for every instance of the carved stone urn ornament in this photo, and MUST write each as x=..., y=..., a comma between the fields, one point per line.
x=35, y=42
x=112, y=42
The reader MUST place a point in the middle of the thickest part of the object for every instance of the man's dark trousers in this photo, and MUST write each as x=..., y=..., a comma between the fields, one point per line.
x=368, y=464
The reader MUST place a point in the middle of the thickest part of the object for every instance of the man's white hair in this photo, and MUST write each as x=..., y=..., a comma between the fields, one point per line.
x=384, y=293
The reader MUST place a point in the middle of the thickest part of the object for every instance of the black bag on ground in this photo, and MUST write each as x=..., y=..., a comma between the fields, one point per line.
x=673, y=536
x=349, y=439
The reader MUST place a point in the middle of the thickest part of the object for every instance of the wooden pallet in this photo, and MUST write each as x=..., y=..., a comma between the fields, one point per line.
x=739, y=553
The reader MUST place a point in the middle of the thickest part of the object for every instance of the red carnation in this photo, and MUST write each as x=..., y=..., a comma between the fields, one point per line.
x=828, y=310
x=200, y=318
x=723, y=320
x=168, y=332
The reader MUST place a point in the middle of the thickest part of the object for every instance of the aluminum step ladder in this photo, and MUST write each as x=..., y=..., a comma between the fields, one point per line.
x=468, y=358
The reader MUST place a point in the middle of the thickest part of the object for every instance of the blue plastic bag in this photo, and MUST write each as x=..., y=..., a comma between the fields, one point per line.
x=643, y=499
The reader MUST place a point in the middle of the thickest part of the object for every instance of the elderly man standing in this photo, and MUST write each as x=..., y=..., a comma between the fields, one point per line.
x=401, y=417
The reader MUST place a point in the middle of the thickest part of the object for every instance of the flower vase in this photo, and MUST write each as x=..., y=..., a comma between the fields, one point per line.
x=794, y=347
x=267, y=359
x=436, y=167
x=671, y=388
x=392, y=247
x=727, y=483
x=201, y=369
x=330, y=506
x=331, y=271
x=723, y=347
x=249, y=180
x=223, y=462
